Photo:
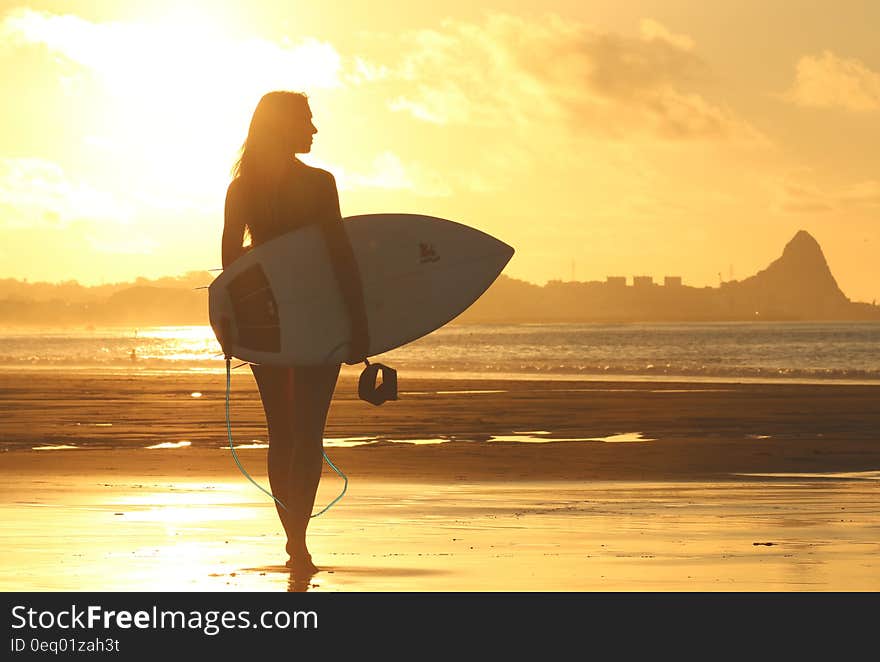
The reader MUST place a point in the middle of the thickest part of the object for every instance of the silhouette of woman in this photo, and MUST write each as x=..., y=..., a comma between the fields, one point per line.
x=271, y=193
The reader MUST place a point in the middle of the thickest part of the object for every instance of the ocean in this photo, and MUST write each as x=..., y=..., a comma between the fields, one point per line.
x=820, y=352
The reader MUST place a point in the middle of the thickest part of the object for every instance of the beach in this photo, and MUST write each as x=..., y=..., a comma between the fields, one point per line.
x=462, y=484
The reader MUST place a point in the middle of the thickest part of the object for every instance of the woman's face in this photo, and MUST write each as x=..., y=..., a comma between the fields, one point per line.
x=301, y=131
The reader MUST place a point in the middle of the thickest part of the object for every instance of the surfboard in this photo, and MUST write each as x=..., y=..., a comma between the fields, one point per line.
x=418, y=273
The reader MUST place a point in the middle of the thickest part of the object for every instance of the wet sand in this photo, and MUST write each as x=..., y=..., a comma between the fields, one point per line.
x=683, y=511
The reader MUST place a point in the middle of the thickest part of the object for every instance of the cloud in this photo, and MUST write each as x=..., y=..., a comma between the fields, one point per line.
x=121, y=244
x=177, y=56
x=388, y=172
x=181, y=83
x=651, y=29
x=366, y=72
x=865, y=194
x=797, y=197
x=38, y=193
x=174, y=96
x=511, y=72
x=829, y=81
x=182, y=89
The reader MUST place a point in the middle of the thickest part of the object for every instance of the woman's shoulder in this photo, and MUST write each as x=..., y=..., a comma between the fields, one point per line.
x=316, y=179
x=313, y=173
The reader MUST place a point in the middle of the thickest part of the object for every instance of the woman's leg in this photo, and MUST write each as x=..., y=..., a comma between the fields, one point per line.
x=313, y=388
x=296, y=402
x=276, y=393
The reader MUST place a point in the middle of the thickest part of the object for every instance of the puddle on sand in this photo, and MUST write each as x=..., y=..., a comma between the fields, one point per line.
x=529, y=437
x=462, y=392
x=344, y=442
x=361, y=441
x=623, y=437
x=347, y=442
x=830, y=475
x=419, y=442
x=170, y=444
x=691, y=390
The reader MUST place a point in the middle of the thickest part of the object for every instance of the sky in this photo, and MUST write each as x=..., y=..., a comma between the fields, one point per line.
x=626, y=137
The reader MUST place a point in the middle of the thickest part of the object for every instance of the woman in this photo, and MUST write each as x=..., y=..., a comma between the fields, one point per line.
x=272, y=192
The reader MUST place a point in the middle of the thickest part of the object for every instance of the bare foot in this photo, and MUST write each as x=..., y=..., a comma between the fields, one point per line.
x=302, y=565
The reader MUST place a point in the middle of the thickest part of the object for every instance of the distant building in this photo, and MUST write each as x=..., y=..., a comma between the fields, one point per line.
x=616, y=281
x=643, y=281
x=672, y=281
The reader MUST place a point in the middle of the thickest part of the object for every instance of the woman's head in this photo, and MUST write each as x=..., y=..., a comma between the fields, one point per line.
x=280, y=127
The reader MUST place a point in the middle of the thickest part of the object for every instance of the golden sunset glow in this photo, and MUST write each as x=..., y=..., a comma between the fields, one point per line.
x=653, y=139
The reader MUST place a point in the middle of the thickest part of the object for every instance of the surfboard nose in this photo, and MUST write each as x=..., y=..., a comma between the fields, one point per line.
x=495, y=251
x=500, y=256
x=507, y=250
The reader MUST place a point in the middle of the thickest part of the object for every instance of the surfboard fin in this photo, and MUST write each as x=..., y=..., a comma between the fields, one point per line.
x=367, y=389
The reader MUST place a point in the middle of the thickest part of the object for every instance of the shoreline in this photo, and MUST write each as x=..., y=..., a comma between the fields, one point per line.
x=489, y=429
x=422, y=375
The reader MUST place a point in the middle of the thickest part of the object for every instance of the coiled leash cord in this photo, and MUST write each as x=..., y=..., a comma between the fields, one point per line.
x=248, y=476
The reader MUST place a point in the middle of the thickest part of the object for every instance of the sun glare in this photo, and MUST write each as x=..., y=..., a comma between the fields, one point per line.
x=179, y=91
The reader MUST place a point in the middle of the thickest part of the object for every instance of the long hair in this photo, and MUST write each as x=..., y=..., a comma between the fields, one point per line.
x=264, y=151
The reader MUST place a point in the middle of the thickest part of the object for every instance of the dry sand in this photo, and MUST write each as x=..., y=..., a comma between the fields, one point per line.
x=683, y=511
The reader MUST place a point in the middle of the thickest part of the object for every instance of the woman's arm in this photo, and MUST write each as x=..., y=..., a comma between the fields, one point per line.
x=233, y=226
x=231, y=249
x=346, y=270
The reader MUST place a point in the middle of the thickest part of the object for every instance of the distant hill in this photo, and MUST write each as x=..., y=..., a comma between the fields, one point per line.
x=172, y=300
x=797, y=286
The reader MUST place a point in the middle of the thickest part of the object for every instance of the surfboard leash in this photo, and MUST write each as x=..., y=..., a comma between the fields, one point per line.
x=248, y=476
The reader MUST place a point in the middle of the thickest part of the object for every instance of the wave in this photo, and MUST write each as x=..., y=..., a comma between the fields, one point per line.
x=451, y=368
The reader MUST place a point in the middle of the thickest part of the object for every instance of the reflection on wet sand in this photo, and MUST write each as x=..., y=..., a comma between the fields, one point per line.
x=170, y=444
x=528, y=437
x=738, y=534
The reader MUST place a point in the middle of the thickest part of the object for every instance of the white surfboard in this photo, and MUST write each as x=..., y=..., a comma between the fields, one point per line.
x=418, y=273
